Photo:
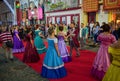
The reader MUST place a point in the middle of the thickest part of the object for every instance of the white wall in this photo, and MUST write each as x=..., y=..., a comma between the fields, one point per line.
x=63, y=13
x=102, y=15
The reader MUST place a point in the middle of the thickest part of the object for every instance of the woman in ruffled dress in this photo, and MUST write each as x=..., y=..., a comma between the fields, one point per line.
x=102, y=59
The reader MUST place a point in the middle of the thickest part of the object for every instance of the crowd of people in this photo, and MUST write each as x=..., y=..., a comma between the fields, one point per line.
x=107, y=36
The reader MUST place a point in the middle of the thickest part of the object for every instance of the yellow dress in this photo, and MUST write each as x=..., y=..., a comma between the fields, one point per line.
x=113, y=73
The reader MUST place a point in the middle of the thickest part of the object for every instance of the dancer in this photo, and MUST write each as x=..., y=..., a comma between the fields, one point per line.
x=18, y=45
x=73, y=39
x=113, y=73
x=102, y=60
x=62, y=46
x=30, y=54
x=53, y=66
x=38, y=42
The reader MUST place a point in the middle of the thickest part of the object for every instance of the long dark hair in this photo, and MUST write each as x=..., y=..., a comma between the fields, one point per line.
x=106, y=28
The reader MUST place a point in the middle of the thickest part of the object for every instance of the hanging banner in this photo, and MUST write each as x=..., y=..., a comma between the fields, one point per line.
x=18, y=13
x=90, y=5
x=29, y=14
x=40, y=13
x=111, y=4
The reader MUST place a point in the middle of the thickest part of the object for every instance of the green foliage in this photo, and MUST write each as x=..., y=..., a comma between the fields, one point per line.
x=57, y=5
x=48, y=2
x=53, y=6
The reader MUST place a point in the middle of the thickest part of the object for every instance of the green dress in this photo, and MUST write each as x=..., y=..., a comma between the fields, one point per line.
x=113, y=73
x=38, y=42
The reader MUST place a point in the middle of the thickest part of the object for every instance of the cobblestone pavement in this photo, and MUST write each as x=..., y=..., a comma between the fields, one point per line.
x=18, y=71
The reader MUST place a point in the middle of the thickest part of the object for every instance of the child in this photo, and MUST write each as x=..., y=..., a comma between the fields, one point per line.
x=53, y=66
x=62, y=46
x=30, y=54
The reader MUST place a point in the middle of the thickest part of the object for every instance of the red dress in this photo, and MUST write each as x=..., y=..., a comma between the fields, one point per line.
x=30, y=54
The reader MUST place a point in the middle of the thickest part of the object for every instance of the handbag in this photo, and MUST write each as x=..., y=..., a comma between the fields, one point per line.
x=9, y=44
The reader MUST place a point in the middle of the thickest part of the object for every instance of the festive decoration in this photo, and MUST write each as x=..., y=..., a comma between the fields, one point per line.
x=57, y=5
x=111, y=4
x=29, y=14
x=40, y=13
x=17, y=4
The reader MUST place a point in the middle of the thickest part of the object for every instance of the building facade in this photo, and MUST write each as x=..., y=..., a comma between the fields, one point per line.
x=104, y=11
x=82, y=11
x=60, y=11
x=63, y=11
x=7, y=16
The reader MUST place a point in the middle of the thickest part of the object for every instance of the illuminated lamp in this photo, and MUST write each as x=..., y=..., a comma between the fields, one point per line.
x=17, y=4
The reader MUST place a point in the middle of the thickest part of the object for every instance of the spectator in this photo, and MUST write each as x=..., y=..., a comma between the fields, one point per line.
x=6, y=36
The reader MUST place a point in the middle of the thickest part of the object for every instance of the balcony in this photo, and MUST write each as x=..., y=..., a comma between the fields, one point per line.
x=66, y=4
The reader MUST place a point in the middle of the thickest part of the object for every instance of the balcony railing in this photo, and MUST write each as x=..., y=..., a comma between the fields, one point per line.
x=61, y=5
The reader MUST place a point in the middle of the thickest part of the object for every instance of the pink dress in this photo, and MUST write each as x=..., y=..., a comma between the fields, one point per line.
x=102, y=60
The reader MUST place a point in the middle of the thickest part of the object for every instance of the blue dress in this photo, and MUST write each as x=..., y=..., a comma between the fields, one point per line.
x=53, y=66
x=38, y=42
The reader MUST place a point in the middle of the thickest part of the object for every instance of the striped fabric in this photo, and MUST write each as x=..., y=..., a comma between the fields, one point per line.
x=5, y=36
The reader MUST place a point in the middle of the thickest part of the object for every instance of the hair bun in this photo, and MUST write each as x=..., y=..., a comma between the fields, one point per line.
x=50, y=30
